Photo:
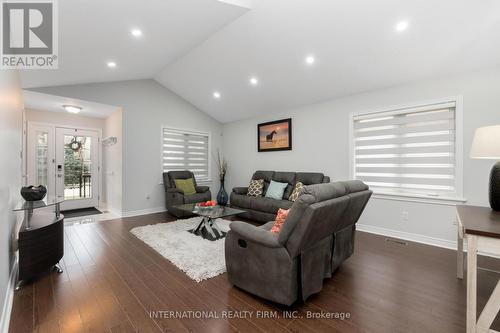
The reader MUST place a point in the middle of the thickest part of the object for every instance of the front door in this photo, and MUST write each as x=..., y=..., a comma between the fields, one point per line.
x=76, y=173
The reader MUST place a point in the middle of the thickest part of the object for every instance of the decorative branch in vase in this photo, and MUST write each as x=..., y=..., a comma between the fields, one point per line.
x=222, y=197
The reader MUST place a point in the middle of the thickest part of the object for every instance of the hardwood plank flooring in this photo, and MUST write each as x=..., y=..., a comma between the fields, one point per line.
x=112, y=282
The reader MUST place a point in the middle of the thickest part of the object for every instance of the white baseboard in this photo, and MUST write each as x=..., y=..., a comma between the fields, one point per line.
x=116, y=212
x=444, y=243
x=427, y=240
x=143, y=211
x=9, y=298
x=106, y=207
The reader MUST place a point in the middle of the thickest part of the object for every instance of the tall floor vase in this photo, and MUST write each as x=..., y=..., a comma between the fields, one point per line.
x=222, y=197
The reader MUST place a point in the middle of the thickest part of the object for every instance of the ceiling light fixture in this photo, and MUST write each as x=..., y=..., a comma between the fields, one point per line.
x=310, y=60
x=72, y=108
x=111, y=64
x=254, y=81
x=136, y=32
x=402, y=26
x=216, y=95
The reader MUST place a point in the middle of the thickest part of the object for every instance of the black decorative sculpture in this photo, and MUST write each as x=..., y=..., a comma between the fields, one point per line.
x=33, y=193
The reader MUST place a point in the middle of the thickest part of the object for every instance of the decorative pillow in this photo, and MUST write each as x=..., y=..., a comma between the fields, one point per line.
x=186, y=185
x=276, y=190
x=256, y=188
x=280, y=220
x=296, y=191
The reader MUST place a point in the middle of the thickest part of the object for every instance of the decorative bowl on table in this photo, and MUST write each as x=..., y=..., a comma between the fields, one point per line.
x=33, y=193
x=206, y=206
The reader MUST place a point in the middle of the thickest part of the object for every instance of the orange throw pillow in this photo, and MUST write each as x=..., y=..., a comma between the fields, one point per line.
x=280, y=220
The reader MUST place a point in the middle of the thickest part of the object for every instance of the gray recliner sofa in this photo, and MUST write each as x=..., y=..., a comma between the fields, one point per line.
x=317, y=237
x=175, y=196
x=264, y=209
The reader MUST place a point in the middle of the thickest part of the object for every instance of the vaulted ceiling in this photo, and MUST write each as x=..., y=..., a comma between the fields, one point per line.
x=211, y=46
x=95, y=32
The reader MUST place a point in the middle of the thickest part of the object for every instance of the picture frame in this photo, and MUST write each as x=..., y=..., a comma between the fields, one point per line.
x=274, y=135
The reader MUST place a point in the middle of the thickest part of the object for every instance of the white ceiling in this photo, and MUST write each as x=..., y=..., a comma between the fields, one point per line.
x=93, y=32
x=45, y=102
x=354, y=42
x=355, y=45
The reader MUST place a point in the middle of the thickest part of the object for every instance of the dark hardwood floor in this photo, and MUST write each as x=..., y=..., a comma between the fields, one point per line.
x=112, y=281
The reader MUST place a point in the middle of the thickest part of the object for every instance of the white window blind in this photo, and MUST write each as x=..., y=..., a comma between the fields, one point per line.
x=408, y=151
x=182, y=150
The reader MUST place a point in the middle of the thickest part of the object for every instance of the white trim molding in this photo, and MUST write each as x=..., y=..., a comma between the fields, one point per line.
x=443, y=201
x=9, y=298
x=417, y=238
x=143, y=211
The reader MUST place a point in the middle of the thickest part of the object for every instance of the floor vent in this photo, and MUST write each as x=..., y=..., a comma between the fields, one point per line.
x=396, y=241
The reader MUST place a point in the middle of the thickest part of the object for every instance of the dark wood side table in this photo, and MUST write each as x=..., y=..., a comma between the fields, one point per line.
x=41, y=239
x=480, y=226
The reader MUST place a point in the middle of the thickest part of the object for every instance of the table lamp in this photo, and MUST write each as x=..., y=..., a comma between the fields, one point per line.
x=486, y=145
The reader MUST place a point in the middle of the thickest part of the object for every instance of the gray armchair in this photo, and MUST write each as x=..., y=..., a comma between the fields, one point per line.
x=175, y=196
x=316, y=238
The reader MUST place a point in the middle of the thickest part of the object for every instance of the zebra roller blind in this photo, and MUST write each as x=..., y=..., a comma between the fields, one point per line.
x=183, y=150
x=407, y=151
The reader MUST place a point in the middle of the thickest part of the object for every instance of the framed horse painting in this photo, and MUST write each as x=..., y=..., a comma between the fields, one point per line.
x=275, y=135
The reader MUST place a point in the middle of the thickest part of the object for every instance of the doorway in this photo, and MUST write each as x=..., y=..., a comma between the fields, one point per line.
x=67, y=161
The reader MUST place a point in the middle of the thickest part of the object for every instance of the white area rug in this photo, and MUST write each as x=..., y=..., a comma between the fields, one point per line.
x=199, y=258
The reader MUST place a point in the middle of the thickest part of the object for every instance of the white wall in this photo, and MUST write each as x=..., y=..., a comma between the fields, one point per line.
x=11, y=120
x=112, y=164
x=64, y=119
x=146, y=107
x=321, y=143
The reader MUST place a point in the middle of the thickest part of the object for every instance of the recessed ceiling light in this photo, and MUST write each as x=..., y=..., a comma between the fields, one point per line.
x=72, y=108
x=254, y=81
x=136, y=32
x=310, y=60
x=216, y=95
x=111, y=64
x=401, y=26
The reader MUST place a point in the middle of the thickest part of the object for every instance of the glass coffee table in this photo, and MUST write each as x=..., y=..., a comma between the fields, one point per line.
x=208, y=227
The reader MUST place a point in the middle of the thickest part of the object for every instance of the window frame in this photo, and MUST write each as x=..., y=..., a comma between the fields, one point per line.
x=459, y=156
x=208, y=180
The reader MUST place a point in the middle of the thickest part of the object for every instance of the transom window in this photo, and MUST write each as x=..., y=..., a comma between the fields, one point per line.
x=185, y=150
x=408, y=151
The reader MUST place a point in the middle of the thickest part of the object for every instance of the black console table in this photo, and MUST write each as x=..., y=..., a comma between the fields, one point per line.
x=41, y=239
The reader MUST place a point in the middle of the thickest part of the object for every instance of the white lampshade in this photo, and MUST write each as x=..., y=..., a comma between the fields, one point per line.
x=486, y=143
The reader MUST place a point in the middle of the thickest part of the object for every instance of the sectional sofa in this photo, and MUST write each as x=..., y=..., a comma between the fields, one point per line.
x=317, y=237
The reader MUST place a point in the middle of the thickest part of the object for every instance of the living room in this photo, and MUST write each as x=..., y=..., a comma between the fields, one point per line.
x=253, y=166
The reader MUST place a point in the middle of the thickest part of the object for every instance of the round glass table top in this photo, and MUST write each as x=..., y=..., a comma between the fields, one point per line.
x=30, y=205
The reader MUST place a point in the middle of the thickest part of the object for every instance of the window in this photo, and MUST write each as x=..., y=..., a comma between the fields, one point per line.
x=409, y=151
x=184, y=150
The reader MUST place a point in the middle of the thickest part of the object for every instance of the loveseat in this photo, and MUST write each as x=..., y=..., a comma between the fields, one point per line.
x=264, y=209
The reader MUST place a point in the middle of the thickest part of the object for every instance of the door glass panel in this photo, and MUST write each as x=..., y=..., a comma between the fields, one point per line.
x=42, y=158
x=77, y=167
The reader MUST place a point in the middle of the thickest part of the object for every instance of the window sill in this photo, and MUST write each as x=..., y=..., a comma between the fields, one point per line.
x=445, y=201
